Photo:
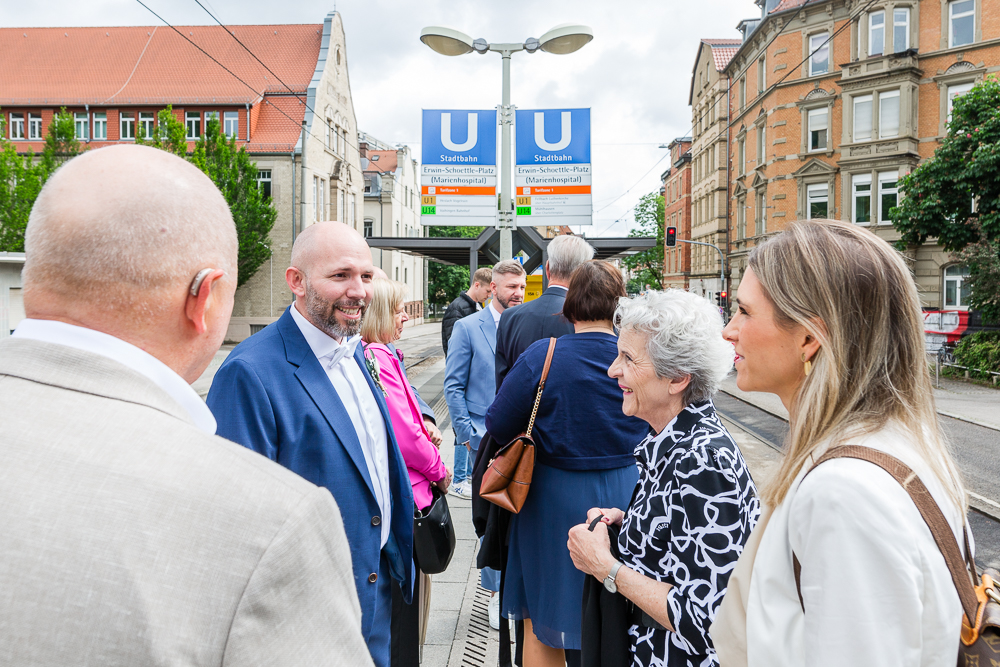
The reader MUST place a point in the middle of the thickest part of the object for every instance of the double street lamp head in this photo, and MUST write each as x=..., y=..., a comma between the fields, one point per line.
x=560, y=40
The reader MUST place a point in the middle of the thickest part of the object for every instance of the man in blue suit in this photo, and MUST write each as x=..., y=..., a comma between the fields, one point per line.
x=300, y=393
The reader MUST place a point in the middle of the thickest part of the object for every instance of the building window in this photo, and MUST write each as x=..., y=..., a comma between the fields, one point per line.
x=368, y=185
x=862, y=195
x=17, y=126
x=315, y=198
x=192, y=121
x=819, y=54
x=351, y=208
x=322, y=200
x=406, y=275
x=397, y=274
x=743, y=92
x=888, y=195
x=876, y=33
x=888, y=114
x=818, y=198
x=761, y=145
x=900, y=29
x=146, y=124
x=957, y=91
x=761, y=212
x=232, y=124
x=81, y=126
x=101, y=125
x=127, y=125
x=211, y=115
x=741, y=152
x=863, y=118
x=329, y=132
x=961, y=22
x=264, y=183
x=34, y=127
x=369, y=227
x=819, y=124
x=761, y=74
x=741, y=218
x=956, y=287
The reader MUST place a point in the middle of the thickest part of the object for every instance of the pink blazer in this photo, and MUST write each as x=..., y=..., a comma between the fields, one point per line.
x=423, y=461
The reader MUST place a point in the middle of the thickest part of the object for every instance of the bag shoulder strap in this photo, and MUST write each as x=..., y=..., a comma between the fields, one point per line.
x=541, y=384
x=933, y=516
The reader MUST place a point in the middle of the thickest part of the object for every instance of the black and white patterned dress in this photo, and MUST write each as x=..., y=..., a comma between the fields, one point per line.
x=691, y=513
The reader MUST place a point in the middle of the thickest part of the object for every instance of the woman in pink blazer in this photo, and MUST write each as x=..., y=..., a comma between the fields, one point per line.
x=382, y=325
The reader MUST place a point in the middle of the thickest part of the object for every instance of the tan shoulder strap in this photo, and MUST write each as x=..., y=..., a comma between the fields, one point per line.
x=933, y=516
x=541, y=384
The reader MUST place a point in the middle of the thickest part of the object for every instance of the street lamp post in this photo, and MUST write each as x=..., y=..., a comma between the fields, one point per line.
x=560, y=40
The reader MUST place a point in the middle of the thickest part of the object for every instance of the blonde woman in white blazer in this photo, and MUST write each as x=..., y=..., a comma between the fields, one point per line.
x=829, y=320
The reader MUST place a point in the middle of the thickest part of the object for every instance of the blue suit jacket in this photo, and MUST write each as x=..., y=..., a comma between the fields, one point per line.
x=273, y=396
x=469, y=385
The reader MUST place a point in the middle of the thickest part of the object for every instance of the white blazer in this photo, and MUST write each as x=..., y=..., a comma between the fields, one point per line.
x=875, y=586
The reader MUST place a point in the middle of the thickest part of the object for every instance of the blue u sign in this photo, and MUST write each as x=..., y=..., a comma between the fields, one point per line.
x=460, y=137
x=553, y=136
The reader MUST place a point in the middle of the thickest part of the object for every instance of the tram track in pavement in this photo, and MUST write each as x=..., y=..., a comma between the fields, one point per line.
x=984, y=514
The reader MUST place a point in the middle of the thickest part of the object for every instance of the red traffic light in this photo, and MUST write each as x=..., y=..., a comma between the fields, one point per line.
x=671, y=239
x=723, y=294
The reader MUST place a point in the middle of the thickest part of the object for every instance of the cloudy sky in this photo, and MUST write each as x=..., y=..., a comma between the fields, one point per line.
x=635, y=75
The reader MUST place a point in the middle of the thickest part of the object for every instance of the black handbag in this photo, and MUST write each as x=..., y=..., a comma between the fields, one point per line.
x=433, y=535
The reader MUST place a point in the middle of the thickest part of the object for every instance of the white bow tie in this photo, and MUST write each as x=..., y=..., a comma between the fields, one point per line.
x=346, y=349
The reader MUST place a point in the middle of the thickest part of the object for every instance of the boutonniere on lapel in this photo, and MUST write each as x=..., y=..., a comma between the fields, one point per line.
x=372, y=364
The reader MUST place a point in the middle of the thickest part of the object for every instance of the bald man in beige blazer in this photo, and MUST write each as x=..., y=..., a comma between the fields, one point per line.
x=129, y=533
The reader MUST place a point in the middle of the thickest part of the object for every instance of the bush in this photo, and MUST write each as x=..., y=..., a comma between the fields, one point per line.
x=980, y=351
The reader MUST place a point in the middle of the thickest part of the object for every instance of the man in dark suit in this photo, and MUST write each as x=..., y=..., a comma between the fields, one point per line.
x=300, y=393
x=466, y=304
x=542, y=317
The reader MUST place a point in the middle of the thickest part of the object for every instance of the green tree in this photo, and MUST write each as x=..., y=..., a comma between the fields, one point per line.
x=446, y=282
x=168, y=135
x=235, y=174
x=23, y=175
x=646, y=267
x=955, y=195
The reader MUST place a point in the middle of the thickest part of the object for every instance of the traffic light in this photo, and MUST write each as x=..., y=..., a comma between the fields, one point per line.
x=722, y=298
x=671, y=237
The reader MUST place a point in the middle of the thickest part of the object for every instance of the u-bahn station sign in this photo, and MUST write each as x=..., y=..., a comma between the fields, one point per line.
x=552, y=175
x=458, y=177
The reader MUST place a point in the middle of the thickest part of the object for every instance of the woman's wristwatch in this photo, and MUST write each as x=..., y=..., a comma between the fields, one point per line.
x=609, y=581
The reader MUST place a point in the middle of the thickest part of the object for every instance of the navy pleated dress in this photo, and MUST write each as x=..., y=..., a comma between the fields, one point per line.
x=583, y=459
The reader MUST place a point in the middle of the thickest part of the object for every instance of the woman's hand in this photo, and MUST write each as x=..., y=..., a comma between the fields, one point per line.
x=591, y=550
x=444, y=483
x=433, y=432
x=612, y=515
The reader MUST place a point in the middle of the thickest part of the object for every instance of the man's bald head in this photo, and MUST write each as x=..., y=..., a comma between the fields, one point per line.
x=323, y=240
x=118, y=228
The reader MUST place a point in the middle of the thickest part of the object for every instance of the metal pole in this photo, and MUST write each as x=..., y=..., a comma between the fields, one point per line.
x=506, y=119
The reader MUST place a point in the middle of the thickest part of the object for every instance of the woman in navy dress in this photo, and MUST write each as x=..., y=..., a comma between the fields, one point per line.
x=583, y=459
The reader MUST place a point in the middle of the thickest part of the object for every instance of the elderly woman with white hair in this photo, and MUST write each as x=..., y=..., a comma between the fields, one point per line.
x=695, y=503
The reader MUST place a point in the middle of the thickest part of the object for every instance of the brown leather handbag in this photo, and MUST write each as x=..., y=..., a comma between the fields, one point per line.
x=508, y=478
x=980, y=595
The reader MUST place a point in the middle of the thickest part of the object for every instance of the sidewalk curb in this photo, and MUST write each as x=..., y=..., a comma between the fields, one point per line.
x=977, y=502
x=968, y=420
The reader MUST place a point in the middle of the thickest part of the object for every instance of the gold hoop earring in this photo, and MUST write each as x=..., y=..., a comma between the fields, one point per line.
x=808, y=364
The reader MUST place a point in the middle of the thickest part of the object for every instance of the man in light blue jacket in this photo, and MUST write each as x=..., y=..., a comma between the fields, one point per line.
x=470, y=376
x=470, y=387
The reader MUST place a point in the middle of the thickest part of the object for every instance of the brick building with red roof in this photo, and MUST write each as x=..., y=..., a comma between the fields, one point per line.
x=114, y=81
x=833, y=101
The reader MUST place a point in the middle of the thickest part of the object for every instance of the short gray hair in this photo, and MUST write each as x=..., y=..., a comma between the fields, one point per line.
x=510, y=267
x=567, y=252
x=683, y=337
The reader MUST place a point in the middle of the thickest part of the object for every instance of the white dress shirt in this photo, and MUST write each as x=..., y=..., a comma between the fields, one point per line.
x=106, y=345
x=352, y=387
x=495, y=313
x=876, y=588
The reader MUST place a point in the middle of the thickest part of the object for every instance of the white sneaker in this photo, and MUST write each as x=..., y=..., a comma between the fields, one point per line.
x=494, y=609
x=462, y=490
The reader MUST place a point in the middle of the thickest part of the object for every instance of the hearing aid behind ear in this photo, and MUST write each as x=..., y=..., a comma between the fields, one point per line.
x=198, y=280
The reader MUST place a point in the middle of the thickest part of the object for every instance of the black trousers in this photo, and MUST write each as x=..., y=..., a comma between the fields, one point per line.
x=405, y=626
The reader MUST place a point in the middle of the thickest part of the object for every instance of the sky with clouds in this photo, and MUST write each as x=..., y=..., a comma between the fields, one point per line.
x=635, y=75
